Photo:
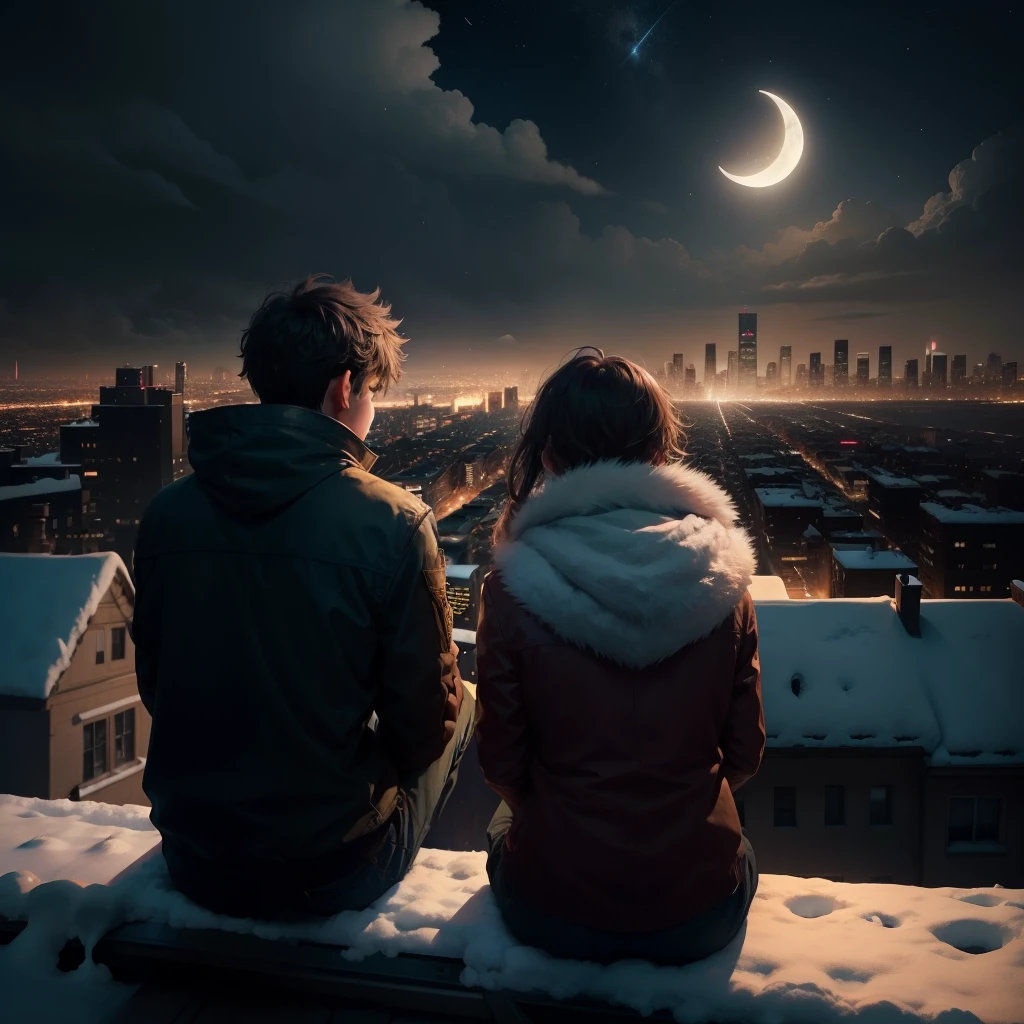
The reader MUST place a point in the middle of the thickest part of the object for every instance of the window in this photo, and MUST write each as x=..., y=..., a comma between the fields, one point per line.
x=880, y=805
x=985, y=589
x=94, y=746
x=124, y=736
x=117, y=638
x=835, y=805
x=959, y=590
x=990, y=546
x=974, y=819
x=101, y=646
x=741, y=811
x=960, y=544
x=785, y=807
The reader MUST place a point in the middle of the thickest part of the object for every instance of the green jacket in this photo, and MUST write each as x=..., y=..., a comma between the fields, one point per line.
x=284, y=595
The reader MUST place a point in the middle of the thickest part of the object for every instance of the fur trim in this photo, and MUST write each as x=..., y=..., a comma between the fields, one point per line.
x=628, y=560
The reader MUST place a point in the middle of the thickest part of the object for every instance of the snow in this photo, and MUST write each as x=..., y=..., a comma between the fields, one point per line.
x=887, y=480
x=768, y=588
x=44, y=486
x=812, y=950
x=970, y=515
x=49, y=459
x=777, y=497
x=862, y=680
x=46, y=602
x=868, y=558
x=460, y=571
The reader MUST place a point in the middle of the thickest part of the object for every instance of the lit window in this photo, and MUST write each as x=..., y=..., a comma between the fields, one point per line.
x=101, y=646
x=960, y=544
x=986, y=589
x=880, y=807
x=94, y=749
x=974, y=819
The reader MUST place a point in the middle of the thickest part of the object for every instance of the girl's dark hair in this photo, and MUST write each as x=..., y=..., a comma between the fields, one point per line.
x=591, y=408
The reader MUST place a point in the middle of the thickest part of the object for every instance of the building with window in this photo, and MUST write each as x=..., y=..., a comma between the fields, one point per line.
x=747, y=358
x=841, y=363
x=970, y=551
x=785, y=365
x=512, y=397
x=494, y=401
x=180, y=378
x=732, y=373
x=815, y=373
x=864, y=571
x=910, y=374
x=885, y=366
x=958, y=371
x=71, y=722
x=863, y=369
x=710, y=367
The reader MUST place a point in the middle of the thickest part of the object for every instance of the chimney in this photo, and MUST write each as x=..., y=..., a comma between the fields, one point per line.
x=1017, y=591
x=908, y=602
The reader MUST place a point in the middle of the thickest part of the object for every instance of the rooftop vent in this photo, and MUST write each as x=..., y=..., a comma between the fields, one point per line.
x=908, y=602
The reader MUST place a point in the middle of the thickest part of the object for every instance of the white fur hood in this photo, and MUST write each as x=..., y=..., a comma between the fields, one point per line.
x=629, y=560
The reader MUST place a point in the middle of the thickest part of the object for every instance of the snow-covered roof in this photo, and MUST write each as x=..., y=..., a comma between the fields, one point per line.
x=49, y=459
x=768, y=588
x=780, y=497
x=868, y=558
x=811, y=949
x=81, y=423
x=46, y=602
x=968, y=515
x=887, y=480
x=43, y=486
x=862, y=680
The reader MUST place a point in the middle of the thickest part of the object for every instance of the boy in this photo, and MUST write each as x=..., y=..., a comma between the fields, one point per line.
x=293, y=637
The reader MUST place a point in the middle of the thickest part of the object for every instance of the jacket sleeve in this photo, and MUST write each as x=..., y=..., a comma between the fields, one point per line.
x=502, y=729
x=743, y=737
x=418, y=681
x=143, y=629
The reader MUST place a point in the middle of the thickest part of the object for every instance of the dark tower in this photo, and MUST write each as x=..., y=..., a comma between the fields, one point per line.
x=747, y=366
x=885, y=366
x=841, y=364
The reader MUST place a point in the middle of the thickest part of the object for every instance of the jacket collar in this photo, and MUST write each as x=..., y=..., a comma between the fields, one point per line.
x=328, y=428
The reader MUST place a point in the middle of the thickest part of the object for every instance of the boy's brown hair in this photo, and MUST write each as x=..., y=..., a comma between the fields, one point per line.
x=298, y=342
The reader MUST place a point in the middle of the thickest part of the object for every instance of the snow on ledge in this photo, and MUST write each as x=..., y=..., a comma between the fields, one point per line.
x=812, y=950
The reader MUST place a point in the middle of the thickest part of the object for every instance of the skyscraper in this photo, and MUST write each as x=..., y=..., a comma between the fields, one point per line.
x=747, y=353
x=689, y=377
x=863, y=369
x=910, y=374
x=938, y=376
x=733, y=373
x=494, y=401
x=677, y=365
x=841, y=363
x=1010, y=373
x=994, y=368
x=958, y=372
x=771, y=374
x=815, y=379
x=180, y=376
x=785, y=365
x=885, y=366
x=801, y=375
x=710, y=366
x=512, y=397
x=149, y=376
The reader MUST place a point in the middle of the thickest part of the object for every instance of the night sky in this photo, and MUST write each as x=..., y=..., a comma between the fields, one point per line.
x=514, y=180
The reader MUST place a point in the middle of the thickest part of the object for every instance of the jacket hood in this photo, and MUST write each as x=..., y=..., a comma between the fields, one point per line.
x=629, y=560
x=256, y=459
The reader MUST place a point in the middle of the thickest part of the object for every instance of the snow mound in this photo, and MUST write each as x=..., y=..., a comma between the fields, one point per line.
x=46, y=602
x=812, y=951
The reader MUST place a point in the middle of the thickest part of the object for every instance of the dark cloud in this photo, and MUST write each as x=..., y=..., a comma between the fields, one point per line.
x=155, y=193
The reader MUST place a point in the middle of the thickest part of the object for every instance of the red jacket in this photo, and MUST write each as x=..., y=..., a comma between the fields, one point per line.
x=619, y=695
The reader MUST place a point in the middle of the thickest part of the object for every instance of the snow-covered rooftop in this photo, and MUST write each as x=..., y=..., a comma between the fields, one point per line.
x=42, y=487
x=971, y=514
x=46, y=602
x=49, y=459
x=781, y=497
x=811, y=950
x=768, y=588
x=868, y=558
x=845, y=672
x=888, y=480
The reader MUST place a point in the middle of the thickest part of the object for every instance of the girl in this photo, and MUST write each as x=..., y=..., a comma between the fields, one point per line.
x=619, y=683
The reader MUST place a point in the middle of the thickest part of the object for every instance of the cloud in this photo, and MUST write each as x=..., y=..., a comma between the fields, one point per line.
x=506, y=341
x=845, y=317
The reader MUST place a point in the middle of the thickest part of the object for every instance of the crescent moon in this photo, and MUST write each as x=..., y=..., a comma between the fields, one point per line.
x=792, y=149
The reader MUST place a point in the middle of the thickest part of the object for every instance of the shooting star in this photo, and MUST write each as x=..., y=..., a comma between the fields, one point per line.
x=635, y=52
x=468, y=22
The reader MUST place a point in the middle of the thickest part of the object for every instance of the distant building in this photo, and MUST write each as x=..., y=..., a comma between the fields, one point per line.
x=494, y=401
x=970, y=552
x=801, y=375
x=180, y=378
x=771, y=374
x=149, y=376
x=910, y=379
x=690, y=377
x=1009, y=373
x=429, y=480
x=464, y=584
x=867, y=572
x=747, y=357
x=786, y=365
x=958, y=373
x=938, y=376
x=783, y=514
x=816, y=378
x=512, y=397
x=733, y=371
x=885, y=366
x=994, y=368
x=677, y=365
x=893, y=505
x=841, y=363
x=863, y=369
x=71, y=722
x=710, y=366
